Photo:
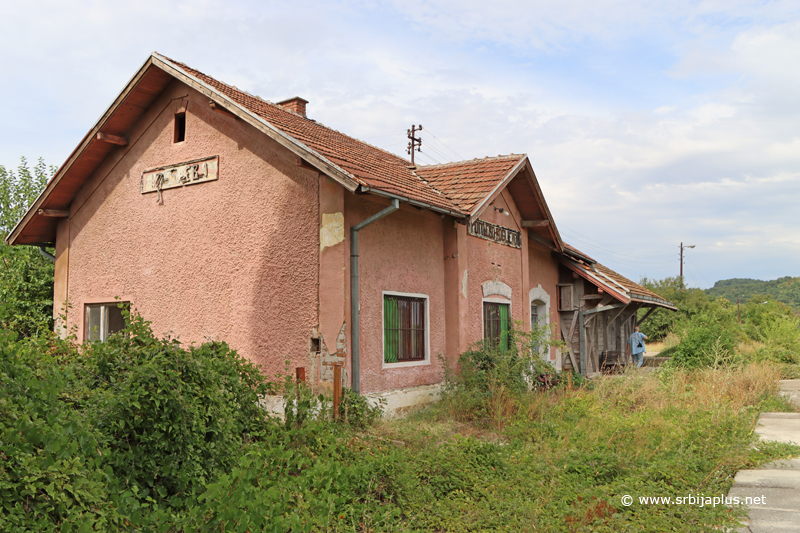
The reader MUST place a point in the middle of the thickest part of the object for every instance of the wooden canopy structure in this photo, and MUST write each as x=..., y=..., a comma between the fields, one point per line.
x=598, y=309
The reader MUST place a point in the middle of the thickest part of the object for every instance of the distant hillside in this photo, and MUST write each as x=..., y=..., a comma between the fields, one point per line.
x=786, y=290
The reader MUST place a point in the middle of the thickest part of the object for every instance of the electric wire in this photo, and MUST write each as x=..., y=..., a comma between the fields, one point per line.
x=393, y=144
x=695, y=275
x=605, y=246
x=461, y=157
x=590, y=242
x=429, y=157
x=627, y=259
x=384, y=136
x=437, y=152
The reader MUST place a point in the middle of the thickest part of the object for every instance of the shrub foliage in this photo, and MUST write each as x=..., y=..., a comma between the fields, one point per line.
x=26, y=277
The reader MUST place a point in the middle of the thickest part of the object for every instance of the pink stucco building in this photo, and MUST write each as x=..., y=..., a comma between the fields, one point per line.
x=219, y=215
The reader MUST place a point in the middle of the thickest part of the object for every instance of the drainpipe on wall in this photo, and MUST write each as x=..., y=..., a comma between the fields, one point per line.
x=47, y=255
x=354, y=302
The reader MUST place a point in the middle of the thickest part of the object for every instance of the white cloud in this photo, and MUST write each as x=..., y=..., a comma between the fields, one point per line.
x=647, y=123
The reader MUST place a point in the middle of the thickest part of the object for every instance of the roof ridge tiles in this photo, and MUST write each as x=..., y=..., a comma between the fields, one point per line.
x=465, y=161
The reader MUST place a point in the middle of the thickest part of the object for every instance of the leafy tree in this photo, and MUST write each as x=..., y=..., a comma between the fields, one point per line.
x=690, y=303
x=786, y=290
x=26, y=277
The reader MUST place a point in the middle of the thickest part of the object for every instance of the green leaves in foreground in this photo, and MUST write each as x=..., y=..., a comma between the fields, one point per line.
x=26, y=277
x=142, y=434
x=51, y=473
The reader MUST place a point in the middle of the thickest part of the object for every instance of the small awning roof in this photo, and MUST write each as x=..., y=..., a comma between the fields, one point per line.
x=611, y=282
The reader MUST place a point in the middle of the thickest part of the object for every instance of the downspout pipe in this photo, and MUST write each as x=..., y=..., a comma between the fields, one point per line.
x=354, y=301
x=47, y=255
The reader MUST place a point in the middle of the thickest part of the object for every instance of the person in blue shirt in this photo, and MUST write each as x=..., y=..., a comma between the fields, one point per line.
x=636, y=347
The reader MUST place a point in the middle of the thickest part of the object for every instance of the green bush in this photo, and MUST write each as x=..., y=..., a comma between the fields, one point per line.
x=486, y=373
x=760, y=313
x=307, y=478
x=708, y=338
x=357, y=411
x=52, y=473
x=781, y=337
x=173, y=418
x=141, y=433
x=26, y=277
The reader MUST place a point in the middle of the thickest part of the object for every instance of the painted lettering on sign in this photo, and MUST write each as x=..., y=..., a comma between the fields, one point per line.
x=189, y=173
x=495, y=233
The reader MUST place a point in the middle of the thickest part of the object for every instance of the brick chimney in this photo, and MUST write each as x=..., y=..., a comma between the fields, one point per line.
x=296, y=104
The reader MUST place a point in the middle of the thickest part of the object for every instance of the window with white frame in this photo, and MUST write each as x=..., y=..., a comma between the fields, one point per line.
x=405, y=328
x=101, y=320
x=540, y=318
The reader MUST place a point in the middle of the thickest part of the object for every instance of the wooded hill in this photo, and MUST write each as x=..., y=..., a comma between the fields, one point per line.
x=786, y=290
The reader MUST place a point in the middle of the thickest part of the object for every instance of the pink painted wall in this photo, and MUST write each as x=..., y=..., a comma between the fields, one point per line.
x=544, y=271
x=490, y=261
x=402, y=252
x=240, y=259
x=234, y=259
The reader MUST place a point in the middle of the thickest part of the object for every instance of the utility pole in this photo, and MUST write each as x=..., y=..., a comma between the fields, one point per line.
x=416, y=142
x=682, y=247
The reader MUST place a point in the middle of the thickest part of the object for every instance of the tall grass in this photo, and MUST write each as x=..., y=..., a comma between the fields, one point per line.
x=571, y=452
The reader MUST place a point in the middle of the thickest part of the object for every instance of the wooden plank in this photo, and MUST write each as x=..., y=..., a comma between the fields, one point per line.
x=58, y=213
x=535, y=223
x=649, y=312
x=594, y=296
x=113, y=139
x=574, y=324
x=543, y=242
x=582, y=334
x=568, y=340
x=219, y=109
x=602, y=308
x=622, y=310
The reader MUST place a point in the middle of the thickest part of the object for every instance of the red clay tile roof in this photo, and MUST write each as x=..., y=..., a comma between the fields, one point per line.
x=466, y=183
x=368, y=164
x=570, y=248
x=634, y=289
x=615, y=280
x=455, y=188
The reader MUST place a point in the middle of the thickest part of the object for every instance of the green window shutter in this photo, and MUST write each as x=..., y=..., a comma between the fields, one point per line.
x=504, y=327
x=391, y=329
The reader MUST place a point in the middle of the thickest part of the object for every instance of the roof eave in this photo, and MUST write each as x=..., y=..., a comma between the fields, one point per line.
x=322, y=164
x=312, y=157
x=534, y=181
x=524, y=163
x=14, y=235
x=489, y=198
x=578, y=255
x=649, y=299
x=594, y=280
x=442, y=210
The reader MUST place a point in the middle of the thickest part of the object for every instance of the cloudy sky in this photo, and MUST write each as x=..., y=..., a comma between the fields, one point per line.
x=648, y=123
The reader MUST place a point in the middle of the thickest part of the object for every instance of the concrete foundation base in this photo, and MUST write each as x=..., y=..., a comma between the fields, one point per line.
x=773, y=489
x=402, y=401
x=396, y=403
